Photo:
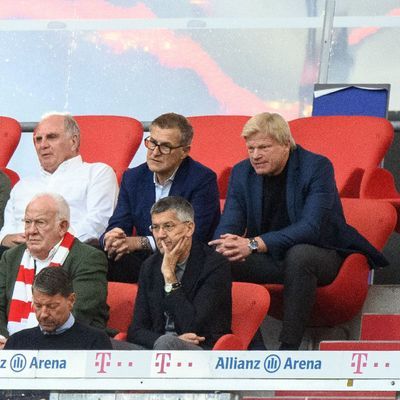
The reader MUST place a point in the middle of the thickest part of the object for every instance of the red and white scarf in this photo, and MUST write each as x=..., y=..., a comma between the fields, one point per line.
x=21, y=315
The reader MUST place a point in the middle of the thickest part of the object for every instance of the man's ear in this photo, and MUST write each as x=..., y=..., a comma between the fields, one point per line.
x=71, y=300
x=190, y=230
x=64, y=225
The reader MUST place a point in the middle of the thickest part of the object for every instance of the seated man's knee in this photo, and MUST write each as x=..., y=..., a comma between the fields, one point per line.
x=299, y=259
x=165, y=342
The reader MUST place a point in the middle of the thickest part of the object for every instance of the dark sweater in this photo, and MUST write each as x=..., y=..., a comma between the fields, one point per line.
x=78, y=337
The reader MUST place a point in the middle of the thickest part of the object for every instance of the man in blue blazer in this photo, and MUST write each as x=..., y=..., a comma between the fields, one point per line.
x=168, y=171
x=283, y=222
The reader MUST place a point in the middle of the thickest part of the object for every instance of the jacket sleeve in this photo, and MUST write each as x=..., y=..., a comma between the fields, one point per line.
x=122, y=216
x=141, y=330
x=317, y=195
x=233, y=219
x=3, y=295
x=89, y=279
x=205, y=202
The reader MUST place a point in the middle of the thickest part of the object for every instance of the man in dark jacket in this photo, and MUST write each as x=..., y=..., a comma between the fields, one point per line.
x=168, y=171
x=184, y=298
x=283, y=222
x=53, y=299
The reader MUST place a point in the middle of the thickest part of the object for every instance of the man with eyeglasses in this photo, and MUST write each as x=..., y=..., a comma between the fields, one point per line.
x=48, y=243
x=184, y=298
x=168, y=170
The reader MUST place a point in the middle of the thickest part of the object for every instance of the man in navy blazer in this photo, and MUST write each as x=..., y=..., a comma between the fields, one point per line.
x=168, y=171
x=283, y=222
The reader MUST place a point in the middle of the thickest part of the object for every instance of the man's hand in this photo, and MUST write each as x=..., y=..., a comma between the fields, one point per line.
x=234, y=247
x=13, y=239
x=3, y=341
x=117, y=244
x=192, y=338
x=171, y=258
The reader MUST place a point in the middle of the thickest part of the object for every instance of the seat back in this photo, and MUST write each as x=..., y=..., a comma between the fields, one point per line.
x=218, y=145
x=250, y=304
x=113, y=140
x=374, y=219
x=121, y=299
x=352, y=143
x=10, y=134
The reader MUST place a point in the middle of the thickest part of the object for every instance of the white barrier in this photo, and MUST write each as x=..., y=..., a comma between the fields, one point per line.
x=200, y=370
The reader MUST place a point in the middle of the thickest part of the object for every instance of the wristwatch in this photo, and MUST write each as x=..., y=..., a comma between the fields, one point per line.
x=170, y=287
x=253, y=245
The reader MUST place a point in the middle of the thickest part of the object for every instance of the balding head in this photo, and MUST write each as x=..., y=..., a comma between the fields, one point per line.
x=46, y=222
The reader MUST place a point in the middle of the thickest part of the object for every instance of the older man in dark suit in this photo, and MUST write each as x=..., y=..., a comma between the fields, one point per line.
x=184, y=299
x=283, y=221
x=168, y=171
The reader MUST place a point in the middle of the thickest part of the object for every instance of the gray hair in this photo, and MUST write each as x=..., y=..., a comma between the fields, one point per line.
x=183, y=209
x=271, y=124
x=53, y=281
x=62, y=207
x=70, y=125
x=171, y=121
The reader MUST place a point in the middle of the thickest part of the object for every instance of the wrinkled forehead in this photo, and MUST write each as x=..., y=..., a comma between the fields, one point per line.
x=165, y=216
x=42, y=206
x=52, y=124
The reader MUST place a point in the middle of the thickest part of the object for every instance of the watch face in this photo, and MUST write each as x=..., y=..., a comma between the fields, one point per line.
x=168, y=287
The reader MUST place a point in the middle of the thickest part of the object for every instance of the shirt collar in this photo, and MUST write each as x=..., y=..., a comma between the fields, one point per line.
x=64, y=327
x=168, y=181
x=51, y=254
x=64, y=166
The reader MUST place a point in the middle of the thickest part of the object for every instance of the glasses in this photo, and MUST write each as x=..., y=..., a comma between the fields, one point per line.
x=167, y=227
x=151, y=144
x=39, y=223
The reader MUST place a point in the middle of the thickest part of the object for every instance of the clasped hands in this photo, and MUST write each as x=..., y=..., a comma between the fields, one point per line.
x=117, y=243
x=233, y=247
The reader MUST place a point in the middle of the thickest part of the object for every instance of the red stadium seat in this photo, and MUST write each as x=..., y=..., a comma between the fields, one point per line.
x=218, y=145
x=12, y=175
x=250, y=303
x=341, y=300
x=354, y=144
x=10, y=134
x=112, y=140
x=380, y=327
x=121, y=298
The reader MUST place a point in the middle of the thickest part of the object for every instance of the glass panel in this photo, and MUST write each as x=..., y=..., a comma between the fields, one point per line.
x=143, y=59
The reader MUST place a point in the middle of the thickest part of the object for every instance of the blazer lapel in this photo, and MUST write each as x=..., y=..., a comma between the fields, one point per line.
x=291, y=185
x=256, y=192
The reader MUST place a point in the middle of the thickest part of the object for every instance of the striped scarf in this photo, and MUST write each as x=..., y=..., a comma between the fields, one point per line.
x=21, y=315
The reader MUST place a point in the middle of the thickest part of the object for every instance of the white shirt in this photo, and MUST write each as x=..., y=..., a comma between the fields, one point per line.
x=90, y=189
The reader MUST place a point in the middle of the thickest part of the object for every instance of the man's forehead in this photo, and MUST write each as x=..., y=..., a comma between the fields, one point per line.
x=43, y=298
x=50, y=125
x=166, y=216
x=164, y=135
x=39, y=208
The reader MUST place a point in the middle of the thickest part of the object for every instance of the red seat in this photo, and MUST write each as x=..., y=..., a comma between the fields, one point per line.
x=379, y=184
x=341, y=300
x=380, y=327
x=121, y=298
x=10, y=134
x=218, y=145
x=250, y=303
x=112, y=140
x=354, y=144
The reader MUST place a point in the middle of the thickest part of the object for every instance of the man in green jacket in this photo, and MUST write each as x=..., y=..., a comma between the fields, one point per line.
x=48, y=243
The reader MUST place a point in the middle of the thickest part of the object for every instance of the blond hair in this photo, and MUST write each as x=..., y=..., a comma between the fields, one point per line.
x=271, y=124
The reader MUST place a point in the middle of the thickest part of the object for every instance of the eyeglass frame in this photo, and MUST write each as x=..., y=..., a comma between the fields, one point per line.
x=156, y=144
x=165, y=228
